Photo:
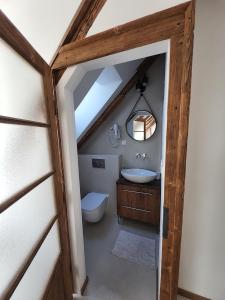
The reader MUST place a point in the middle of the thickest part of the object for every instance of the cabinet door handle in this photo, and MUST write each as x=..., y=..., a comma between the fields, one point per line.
x=142, y=193
x=139, y=209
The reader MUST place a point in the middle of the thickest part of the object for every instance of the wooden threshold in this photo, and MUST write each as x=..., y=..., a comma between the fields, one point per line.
x=79, y=27
x=144, y=66
x=17, y=121
x=28, y=261
x=190, y=295
x=15, y=39
x=12, y=200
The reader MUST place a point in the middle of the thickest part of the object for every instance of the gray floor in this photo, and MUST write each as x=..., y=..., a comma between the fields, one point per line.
x=110, y=277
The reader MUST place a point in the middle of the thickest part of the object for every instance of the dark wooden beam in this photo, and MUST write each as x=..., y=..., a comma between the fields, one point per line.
x=144, y=66
x=153, y=28
x=181, y=51
x=187, y=39
x=83, y=20
x=59, y=183
x=15, y=39
x=6, y=204
x=55, y=290
x=15, y=282
x=80, y=25
x=190, y=295
x=16, y=121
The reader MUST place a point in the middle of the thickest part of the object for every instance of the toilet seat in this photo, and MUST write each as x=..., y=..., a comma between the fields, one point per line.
x=93, y=201
x=93, y=206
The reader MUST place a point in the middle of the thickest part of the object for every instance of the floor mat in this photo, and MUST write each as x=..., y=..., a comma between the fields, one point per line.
x=135, y=248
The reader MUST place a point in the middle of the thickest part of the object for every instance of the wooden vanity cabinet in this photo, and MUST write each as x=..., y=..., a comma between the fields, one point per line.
x=139, y=201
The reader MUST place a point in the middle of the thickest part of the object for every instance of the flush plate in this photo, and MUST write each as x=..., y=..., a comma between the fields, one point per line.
x=98, y=163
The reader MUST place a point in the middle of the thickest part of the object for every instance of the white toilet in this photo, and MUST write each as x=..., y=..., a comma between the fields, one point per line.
x=93, y=206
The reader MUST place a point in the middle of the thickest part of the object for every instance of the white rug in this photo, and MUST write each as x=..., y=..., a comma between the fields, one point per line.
x=135, y=248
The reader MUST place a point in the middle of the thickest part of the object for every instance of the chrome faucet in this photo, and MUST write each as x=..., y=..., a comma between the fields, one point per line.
x=142, y=155
x=138, y=155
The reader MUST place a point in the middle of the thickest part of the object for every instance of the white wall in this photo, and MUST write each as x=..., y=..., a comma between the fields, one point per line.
x=84, y=86
x=66, y=116
x=100, y=180
x=42, y=22
x=101, y=140
x=117, y=12
x=202, y=266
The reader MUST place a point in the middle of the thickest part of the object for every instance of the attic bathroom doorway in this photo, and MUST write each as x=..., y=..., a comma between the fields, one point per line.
x=171, y=31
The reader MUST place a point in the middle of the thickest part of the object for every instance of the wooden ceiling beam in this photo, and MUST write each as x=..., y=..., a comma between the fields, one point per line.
x=144, y=66
x=12, y=36
x=149, y=29
x=79, y=27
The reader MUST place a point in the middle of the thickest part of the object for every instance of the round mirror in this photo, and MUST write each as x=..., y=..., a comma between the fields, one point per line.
x=141, y=125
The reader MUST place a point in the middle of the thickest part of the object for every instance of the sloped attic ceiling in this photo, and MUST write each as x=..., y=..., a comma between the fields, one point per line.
x=117, y=12
x=99, y=87
x=44, y=22
x=125, y=70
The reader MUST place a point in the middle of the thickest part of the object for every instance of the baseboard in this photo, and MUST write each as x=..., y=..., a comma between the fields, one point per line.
x=191, y=295
x=84, y=286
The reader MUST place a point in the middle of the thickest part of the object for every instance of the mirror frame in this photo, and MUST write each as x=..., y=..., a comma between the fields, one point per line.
x=134, y=113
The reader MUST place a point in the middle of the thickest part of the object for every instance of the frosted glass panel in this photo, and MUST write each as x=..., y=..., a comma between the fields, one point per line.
x=24, y=157
x=36, y=278
x=21, y=87
x=21, y=226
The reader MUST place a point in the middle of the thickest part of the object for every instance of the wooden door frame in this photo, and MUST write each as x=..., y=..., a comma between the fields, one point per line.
x=177, y=25
x=10, y=34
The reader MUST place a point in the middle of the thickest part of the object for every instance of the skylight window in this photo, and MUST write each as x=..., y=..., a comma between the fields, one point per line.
x=100, y=92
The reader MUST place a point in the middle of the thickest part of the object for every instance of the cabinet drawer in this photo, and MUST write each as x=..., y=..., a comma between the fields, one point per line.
x=139, y=214
x=147, y=190
x=140, y=200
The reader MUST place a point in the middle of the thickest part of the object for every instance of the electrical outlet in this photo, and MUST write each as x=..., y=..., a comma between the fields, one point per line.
x=123, y=142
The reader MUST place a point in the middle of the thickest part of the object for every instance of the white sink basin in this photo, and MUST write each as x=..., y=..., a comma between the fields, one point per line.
x=138, y=175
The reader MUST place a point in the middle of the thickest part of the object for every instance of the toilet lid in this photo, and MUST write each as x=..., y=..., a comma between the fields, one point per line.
x=93, y=200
